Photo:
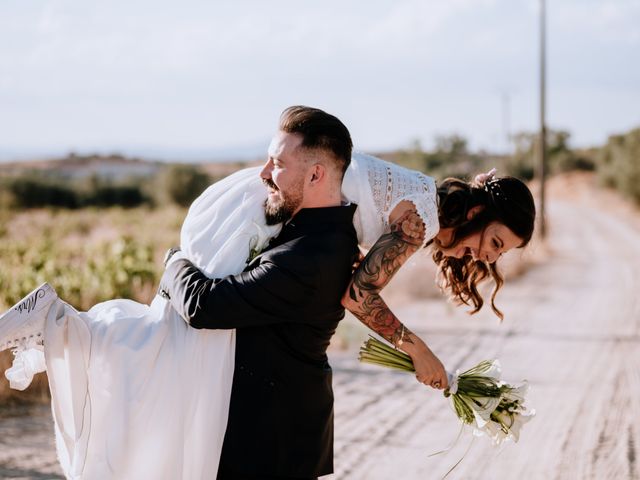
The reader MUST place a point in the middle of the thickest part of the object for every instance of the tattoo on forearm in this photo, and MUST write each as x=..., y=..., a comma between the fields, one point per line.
x=376, y=270
x=375, y=314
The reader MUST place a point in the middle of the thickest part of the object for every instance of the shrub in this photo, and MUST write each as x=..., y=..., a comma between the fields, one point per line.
x=618, y=163
x=116, y=195
x=450, y=158
x=182, y=184
x=27, y=192
x=40, y=191
x=560, y=156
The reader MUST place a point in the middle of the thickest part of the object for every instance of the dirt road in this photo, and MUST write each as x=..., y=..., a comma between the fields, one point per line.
x=571, y=329
x=26, y=444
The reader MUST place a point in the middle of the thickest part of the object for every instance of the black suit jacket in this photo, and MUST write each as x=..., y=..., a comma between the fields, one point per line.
x=285, y=307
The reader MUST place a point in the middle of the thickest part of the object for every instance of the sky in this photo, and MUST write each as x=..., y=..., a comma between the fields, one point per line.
x=200, y=78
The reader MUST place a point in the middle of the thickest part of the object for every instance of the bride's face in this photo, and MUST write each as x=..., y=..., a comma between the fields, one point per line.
x=283, y=174
x=486, y=245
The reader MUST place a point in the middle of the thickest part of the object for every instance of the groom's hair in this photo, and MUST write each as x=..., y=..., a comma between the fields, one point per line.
x=319, y=131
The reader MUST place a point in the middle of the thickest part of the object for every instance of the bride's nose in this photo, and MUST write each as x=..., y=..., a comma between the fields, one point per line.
x=491, y=257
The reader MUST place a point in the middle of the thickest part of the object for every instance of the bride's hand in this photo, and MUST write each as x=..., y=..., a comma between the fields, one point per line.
x=429, y=368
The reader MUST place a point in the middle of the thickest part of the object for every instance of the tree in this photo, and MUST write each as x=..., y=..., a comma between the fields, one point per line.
x=560, y=156
x=450, y=158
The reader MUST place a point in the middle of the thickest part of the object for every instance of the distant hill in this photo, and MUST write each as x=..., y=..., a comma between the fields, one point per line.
x=116, y=167
x=113, y=167
x=108, y=167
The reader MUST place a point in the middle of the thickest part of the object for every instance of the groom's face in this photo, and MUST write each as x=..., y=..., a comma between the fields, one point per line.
x=284, y=175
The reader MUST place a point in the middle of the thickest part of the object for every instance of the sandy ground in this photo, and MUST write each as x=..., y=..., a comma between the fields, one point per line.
x=26, y=444
x=571, y=330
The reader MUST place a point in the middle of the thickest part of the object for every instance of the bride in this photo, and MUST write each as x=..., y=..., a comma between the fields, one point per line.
x=137, y=393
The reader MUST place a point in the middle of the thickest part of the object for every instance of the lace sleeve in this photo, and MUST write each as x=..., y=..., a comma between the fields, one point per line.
x=391, y=184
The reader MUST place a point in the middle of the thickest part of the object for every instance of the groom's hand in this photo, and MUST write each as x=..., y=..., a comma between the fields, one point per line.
x=171, y=256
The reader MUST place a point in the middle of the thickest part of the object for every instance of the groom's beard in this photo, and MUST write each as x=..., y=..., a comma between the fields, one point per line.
x=280, y=209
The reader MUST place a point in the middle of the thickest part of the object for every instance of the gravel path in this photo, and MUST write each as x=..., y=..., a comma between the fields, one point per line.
x=571, y=329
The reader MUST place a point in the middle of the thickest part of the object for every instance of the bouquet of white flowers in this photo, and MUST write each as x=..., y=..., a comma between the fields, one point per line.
x=479, y=398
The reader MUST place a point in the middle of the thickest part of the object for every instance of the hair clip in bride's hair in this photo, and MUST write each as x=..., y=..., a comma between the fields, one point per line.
x=484, y=178
x=493, y=188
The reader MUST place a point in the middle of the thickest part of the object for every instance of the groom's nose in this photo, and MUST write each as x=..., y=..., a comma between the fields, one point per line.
x=266, y=170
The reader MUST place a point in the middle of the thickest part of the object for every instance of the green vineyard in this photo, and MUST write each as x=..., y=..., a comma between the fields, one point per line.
x=88, y=256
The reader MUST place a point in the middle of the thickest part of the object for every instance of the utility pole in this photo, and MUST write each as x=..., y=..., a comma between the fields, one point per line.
x=542, y=144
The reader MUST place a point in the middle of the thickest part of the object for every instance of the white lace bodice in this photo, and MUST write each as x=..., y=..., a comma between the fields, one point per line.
x=377, y=186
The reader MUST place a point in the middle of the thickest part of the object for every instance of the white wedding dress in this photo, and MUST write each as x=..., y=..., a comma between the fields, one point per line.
x=137, y=393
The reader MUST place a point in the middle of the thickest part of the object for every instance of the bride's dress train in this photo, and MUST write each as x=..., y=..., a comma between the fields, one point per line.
x=137, y=393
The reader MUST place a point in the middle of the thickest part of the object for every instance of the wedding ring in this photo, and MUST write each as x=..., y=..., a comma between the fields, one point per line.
x=436, y=384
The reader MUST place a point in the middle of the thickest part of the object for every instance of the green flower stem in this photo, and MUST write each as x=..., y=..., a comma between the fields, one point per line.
x=383, y=361
x=379, y=353
x=382, y=364
x=391, y=361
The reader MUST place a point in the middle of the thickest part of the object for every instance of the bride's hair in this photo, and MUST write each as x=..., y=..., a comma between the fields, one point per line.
x=506, y=200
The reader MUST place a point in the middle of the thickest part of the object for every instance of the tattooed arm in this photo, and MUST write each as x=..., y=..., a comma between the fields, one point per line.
x=363, y=299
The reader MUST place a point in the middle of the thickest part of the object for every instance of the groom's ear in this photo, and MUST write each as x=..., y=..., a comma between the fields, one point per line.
x=317, y=173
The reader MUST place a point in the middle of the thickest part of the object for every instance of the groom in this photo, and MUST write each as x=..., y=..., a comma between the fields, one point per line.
x=285, y=306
